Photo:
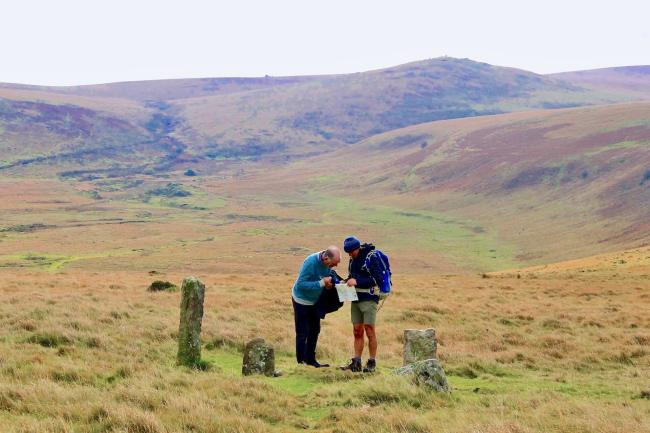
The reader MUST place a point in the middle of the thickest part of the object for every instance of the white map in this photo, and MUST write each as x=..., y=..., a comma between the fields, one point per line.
x=346, y=293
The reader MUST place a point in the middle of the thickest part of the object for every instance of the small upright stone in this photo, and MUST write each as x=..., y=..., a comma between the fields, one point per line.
x=427, y=373
x=419, y=344
x=259, y=358
x=189, y=330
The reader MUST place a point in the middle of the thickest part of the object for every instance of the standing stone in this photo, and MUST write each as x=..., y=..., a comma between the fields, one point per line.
x=259, y=358
x=428, y=373
x=419, y=344
x=189, y=330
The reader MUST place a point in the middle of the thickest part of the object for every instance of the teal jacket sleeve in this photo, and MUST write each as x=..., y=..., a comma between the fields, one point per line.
x=308, y=279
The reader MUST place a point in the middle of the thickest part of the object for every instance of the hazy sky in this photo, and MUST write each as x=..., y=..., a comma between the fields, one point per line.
x=67, y=42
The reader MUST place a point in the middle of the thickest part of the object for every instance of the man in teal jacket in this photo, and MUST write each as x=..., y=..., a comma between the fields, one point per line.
x=314, y=277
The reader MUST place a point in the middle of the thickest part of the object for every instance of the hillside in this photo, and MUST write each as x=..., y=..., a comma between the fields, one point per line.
x=472, y=194
x=343, y=109
x=633, y=81
x=551, y=184
x=51, y=139
x=34, y=132
x=633, y=262
x=217, y=118
x=164, y=90
x=465, y=196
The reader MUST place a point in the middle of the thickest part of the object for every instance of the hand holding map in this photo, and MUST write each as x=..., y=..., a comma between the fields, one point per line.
x=346, y=293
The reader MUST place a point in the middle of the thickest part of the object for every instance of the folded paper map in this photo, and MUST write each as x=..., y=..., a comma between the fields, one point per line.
x=346, y=293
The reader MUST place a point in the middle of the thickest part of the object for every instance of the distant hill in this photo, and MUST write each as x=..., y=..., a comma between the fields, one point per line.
x=633, y=81
x=166, y=90
x=493, y=165
x=343, y=109
x=217, y=118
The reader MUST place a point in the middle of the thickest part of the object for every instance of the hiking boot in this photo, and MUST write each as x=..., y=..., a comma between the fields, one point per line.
x=370, y=367
x=354, y=365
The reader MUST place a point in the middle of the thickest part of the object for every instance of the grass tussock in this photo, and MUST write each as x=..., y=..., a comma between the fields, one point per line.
x=162, y=286
x=49, y=339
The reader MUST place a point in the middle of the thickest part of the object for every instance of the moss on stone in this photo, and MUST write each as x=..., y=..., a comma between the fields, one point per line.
x=189, y=331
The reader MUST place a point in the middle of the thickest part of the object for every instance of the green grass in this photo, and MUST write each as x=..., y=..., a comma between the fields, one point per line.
x=294, y=380
x=454, y=237
x=197, y=201
x=326, y=392
x=576, y=386
x=228, y=361
x=639, y=122
x=622, y=145
x=265, y=231
x=409, y=181
x=52, y=262
x=322, y=390
x=315, y=413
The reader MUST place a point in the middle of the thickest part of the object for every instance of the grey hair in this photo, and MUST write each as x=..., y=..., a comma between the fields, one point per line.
x=328, y=253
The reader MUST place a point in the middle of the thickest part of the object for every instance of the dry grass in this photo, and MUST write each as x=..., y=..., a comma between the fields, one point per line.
x=90, y=352
x=85, y=348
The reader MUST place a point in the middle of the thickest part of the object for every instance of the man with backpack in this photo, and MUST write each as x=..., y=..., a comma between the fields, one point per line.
x=369, y=273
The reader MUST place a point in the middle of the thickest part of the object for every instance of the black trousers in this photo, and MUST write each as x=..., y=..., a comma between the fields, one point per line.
x=307, y=323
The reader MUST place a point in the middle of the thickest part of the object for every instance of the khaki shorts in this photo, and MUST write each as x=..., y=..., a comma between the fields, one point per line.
x=364, y=312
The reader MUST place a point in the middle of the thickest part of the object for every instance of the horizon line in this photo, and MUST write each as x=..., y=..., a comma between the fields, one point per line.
x=332, y=74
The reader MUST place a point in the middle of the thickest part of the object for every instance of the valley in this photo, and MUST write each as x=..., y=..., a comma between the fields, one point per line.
x=514, y=207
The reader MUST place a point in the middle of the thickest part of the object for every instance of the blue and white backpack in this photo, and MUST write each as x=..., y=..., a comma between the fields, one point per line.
x=378, y=267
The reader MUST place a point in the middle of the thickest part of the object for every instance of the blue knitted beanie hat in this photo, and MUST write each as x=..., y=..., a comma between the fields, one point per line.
x=351, y=243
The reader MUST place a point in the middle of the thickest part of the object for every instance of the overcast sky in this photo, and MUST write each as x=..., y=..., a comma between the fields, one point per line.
x=67, y=42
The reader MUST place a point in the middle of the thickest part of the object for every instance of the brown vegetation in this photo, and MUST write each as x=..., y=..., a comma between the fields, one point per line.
x=89, y=351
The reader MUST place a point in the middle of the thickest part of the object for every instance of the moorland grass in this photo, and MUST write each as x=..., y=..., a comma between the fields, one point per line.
x=85, y=348
x=425, y=229
x=81, y=353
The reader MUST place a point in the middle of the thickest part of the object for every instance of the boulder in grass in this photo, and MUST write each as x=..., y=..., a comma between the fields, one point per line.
x=427, y=373
x=259, y=358
x=162, y=286
x=419, y=344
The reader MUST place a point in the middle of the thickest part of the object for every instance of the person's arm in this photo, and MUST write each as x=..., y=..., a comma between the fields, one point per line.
x=361, y=280
x=365, y=282
x=307, y=280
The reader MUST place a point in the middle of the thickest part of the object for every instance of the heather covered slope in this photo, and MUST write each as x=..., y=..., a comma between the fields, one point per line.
x=46, y=139
x=292, y=116
x=633, y=81
x=346, y=108
x=34, y=132
x=478, y=193
x=163, y=90
x=475, y=194
x=556, y=184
